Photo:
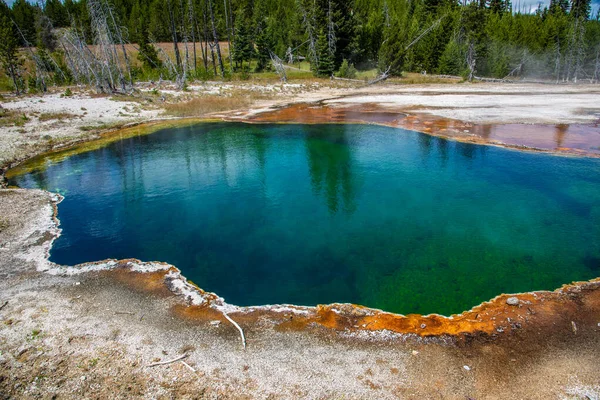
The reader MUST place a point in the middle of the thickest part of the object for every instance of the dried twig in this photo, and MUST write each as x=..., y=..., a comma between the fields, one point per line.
x=4, y=305
x=238, y=328
x=124, y=312
x=169, y=361
x=188, y=366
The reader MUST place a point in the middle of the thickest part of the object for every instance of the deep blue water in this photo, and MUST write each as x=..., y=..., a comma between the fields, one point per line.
x=382, y=217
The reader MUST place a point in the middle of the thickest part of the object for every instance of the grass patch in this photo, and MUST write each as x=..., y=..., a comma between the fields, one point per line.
x=100, y=127
x=12, y=118
x=367, y=74
x=413, y=78
x=34, y=334
x=200, y=106
x=3, y=225
x=55, y=116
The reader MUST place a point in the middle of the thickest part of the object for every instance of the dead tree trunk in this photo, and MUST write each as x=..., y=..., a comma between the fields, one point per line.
x=471, y=61
x=382, y=77
x=212, y=55
x=192, y=22
x=228, y=27
x=580, y=51
x=309, y=25
x=119, y=35
x=201, y=42
x=205, y=38
x=182, y=78
x=279, y=67
x=174, y=34
x=557, y=61
x=597, y=66
x=216, y=39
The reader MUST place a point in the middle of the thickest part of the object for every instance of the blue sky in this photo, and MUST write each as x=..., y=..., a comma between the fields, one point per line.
x=533, y=4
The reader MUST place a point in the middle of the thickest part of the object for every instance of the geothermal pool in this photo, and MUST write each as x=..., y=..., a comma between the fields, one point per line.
x=311, y=214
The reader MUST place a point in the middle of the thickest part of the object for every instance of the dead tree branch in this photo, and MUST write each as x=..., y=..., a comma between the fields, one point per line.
x=382, y=77
x=156, y=364
x=425, y=32
x=238, y=328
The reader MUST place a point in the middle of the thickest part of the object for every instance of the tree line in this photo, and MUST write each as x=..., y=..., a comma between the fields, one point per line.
x=485, y=38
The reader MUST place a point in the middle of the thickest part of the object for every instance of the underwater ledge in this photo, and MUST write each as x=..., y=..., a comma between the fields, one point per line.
x=565, y=311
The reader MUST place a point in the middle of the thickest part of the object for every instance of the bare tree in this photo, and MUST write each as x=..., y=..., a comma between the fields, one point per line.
x=330, y=30
x=107, y=33
x=596, y=76
x=471, y=61
x=84, y=65
x=216, y=38
x=557, y=60
x=193, y=24
x=174, y=33
x=308, y=20
x=206, y=45
x=576, y=51
x=279, y=66
x=229, y=29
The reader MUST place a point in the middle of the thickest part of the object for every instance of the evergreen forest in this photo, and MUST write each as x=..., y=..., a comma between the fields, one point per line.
x=110, y=44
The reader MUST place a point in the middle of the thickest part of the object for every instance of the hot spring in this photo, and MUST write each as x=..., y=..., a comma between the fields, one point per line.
x=312, y=214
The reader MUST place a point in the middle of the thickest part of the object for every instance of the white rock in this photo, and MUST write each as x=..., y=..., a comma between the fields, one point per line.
x=512, y=301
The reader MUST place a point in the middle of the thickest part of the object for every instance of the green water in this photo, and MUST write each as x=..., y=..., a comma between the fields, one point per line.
x=386, y=218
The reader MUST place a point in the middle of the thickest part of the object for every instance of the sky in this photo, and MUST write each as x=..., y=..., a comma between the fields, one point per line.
x=533, y=4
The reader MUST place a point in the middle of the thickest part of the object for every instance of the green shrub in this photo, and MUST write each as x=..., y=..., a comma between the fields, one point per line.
x=347, y=70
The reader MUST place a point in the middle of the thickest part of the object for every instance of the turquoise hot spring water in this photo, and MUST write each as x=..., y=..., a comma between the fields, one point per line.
x=312, y=214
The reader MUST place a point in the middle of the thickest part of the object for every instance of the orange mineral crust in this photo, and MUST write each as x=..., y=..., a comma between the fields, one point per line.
x=581, y=139
x=573, y=308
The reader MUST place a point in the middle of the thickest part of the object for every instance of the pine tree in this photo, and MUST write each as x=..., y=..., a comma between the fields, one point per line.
x=497, y=6
x=56, y=11
x=45, y=33
x=147, y=54
x=325, y=63
x=9, y=57
x=243, y=51
x=581, y=9
x=263, y=48
x=262, y=38
x=392, y=52
x=452, y=61
x=24, y=16
x=559, y=6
